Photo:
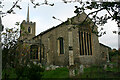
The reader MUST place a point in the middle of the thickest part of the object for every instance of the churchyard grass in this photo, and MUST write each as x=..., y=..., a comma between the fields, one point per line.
x=99, y=72
x=58, y=73
x=90, y=72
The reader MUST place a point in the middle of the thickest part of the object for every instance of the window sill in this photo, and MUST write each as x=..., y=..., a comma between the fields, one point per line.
x=85, y=55
x=61, y=55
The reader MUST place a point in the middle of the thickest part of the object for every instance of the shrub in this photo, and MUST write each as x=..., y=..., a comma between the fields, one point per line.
x=34, y=72
x=112, y=54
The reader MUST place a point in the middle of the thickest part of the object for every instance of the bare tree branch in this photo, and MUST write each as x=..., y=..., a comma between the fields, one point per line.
x=11, y=9
x=90, y=14
x=57, y=19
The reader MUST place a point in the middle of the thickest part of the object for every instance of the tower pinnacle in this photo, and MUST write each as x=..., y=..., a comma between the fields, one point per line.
x=28, y=14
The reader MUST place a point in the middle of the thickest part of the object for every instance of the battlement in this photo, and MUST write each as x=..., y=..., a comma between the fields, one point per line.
x=31, y=23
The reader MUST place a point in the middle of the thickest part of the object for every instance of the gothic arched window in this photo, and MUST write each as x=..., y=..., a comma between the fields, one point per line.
x=34, y=52
x=29, y=30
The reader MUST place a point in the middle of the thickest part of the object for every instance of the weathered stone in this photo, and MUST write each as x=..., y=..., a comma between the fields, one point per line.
x=34, y=62
x=81, y=69
x=71, y=72
x=108, y=59
x=28, y=65
x=71, y=58
x=47, y=68
x=39, y=64
x=104, y=53
x=105, y=66
x=111, y=65
x=52, y=67
x=57, y=66
x=50, y=46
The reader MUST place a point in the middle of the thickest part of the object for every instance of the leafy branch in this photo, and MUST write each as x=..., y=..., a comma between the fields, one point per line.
x=39, y=4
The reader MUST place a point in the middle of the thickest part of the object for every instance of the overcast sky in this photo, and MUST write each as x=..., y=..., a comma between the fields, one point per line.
x=43, y=17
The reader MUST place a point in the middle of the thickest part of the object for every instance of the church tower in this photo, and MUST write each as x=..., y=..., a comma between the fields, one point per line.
x=27, y=28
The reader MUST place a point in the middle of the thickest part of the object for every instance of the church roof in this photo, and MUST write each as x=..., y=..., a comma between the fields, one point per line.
x=82, y=17
x=49, y=30
x=104, y=45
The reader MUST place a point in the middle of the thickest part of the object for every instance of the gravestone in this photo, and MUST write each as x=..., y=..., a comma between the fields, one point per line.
x=81, y=69
x=47, y=68
x=39, y=64
x=34, y=62
x=108, y=59
x=71, y=72
x=105, y=66
x=111, y=65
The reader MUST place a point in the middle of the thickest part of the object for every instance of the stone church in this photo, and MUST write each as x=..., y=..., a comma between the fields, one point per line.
x=68, y=43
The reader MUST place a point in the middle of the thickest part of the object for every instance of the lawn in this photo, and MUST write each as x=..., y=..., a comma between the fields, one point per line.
x=58, y=73
x=91, y=72
x=99, y=72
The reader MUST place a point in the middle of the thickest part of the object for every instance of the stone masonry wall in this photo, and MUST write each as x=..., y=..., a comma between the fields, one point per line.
x=52, y=56
x=50, y=41
x=24, y=31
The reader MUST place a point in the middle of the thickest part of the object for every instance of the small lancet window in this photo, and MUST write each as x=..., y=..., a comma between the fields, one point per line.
x=29, y=30
x=60, y=45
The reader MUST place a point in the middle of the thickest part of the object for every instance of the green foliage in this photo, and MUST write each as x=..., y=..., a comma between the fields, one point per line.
x=17, y=23
x=22, y=27
x=94, y=69
x=115, y=69
x=10, y=37
x=58, y=73
x=113, y=54
x=36, y=73
x=99, y=72
x=32, y=72
x=5, y=57
x=9, y=73
x=14, y=51
x=111, y=9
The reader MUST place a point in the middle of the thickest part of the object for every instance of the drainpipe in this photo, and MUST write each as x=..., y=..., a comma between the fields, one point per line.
x=40, y=48
x=79, y=39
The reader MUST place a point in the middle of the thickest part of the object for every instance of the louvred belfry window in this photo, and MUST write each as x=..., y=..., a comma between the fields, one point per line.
x=29, y=30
